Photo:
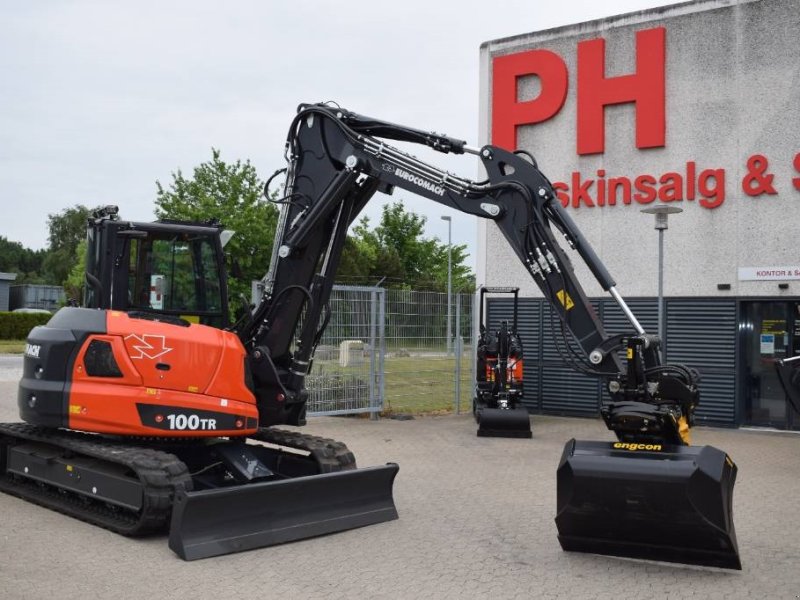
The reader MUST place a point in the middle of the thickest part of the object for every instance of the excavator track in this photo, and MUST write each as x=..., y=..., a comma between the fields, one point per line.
x=159, y=474
x=330, y=455
x=131, y=489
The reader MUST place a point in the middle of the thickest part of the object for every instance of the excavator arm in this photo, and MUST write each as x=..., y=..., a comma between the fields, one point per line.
x=337, y=160
x=648, y=494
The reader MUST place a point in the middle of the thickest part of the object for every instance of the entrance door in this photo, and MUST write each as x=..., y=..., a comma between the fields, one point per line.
x=794, y=308
x=771, y=332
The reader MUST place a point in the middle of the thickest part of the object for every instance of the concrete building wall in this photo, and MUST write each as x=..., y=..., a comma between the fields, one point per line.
x=732, y=81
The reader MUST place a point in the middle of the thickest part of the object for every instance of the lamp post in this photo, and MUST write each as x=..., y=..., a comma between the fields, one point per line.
x=662, y=214
x=449, y=283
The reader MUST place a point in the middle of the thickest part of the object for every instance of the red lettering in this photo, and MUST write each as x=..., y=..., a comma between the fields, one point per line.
x=562, y=190
x=711, y=184
x=758, y=180
x=796, y=180
x=601, y=187
x=617, y=182
x=507, y=112
x=672, y=188
x=644, y=189
x=690, y=174
x=580, y=191
x=645, y=88
x=645, y=186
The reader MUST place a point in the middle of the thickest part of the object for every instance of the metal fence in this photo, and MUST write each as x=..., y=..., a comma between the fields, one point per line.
x=346, y=377
x=424, y=370
x=388, y=351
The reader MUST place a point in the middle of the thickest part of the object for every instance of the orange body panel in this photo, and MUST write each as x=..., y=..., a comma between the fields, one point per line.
x=175, y=382
x=515, y=369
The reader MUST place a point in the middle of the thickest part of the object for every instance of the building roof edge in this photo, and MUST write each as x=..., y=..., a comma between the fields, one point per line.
x=606, y=23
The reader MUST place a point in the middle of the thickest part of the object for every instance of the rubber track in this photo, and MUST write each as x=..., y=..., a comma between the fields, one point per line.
x=159, y=472
x=329, y=454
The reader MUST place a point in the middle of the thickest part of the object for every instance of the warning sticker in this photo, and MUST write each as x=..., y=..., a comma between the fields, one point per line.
x=565, y=300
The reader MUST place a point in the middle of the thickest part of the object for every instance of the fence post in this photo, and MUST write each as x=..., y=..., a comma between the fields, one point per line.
x=459, y=350
x=474, y=333
x=382, y=352
x=373, y=317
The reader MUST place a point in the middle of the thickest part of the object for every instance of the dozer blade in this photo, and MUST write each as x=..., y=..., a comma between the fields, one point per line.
x=504, y=422
x=659, y=502
x=226, y=520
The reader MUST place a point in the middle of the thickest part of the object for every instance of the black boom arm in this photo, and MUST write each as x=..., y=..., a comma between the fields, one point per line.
x=337, y=160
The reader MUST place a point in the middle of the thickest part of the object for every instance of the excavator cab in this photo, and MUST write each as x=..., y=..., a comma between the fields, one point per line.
x=166, y=269
x=497, y=405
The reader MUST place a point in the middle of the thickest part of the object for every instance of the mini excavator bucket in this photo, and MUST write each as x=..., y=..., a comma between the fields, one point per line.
x=651, y=501
x=225, y=520
x=504, y=422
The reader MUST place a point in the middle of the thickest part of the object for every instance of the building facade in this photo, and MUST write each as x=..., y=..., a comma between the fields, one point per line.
x=693, y=106
x=38, y=296
x=5, y=284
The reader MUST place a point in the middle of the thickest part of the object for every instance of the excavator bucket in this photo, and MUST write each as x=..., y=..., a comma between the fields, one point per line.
x=225, y=520
x=652, y=501
x=503, y=422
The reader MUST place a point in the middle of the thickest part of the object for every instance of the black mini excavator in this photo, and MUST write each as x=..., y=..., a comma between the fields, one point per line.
x=146, y=408
x=497, y=405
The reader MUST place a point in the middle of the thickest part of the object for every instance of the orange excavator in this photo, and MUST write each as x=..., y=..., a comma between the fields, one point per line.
x=146, y=409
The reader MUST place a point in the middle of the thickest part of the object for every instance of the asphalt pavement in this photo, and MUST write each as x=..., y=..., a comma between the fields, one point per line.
x=476, y=521
x=10, y=367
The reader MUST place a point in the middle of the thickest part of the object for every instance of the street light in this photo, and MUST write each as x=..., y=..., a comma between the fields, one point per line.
x=449, y=282
x=662, y=214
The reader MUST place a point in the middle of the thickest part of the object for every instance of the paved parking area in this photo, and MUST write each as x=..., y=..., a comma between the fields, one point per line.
x=476, y=521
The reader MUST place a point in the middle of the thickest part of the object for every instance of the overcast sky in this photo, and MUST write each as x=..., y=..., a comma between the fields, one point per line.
x=101, y=99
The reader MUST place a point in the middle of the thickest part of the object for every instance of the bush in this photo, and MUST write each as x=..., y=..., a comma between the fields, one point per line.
x=16, y=326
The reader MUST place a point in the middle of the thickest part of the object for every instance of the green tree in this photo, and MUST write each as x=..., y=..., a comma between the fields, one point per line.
x=10, y=255
x=366, y=260
x=73, y=285
x=397, y=251
x=232, y=194
x=463, y=279
x=356, y=264
x=66, y=230
x=26, y=263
